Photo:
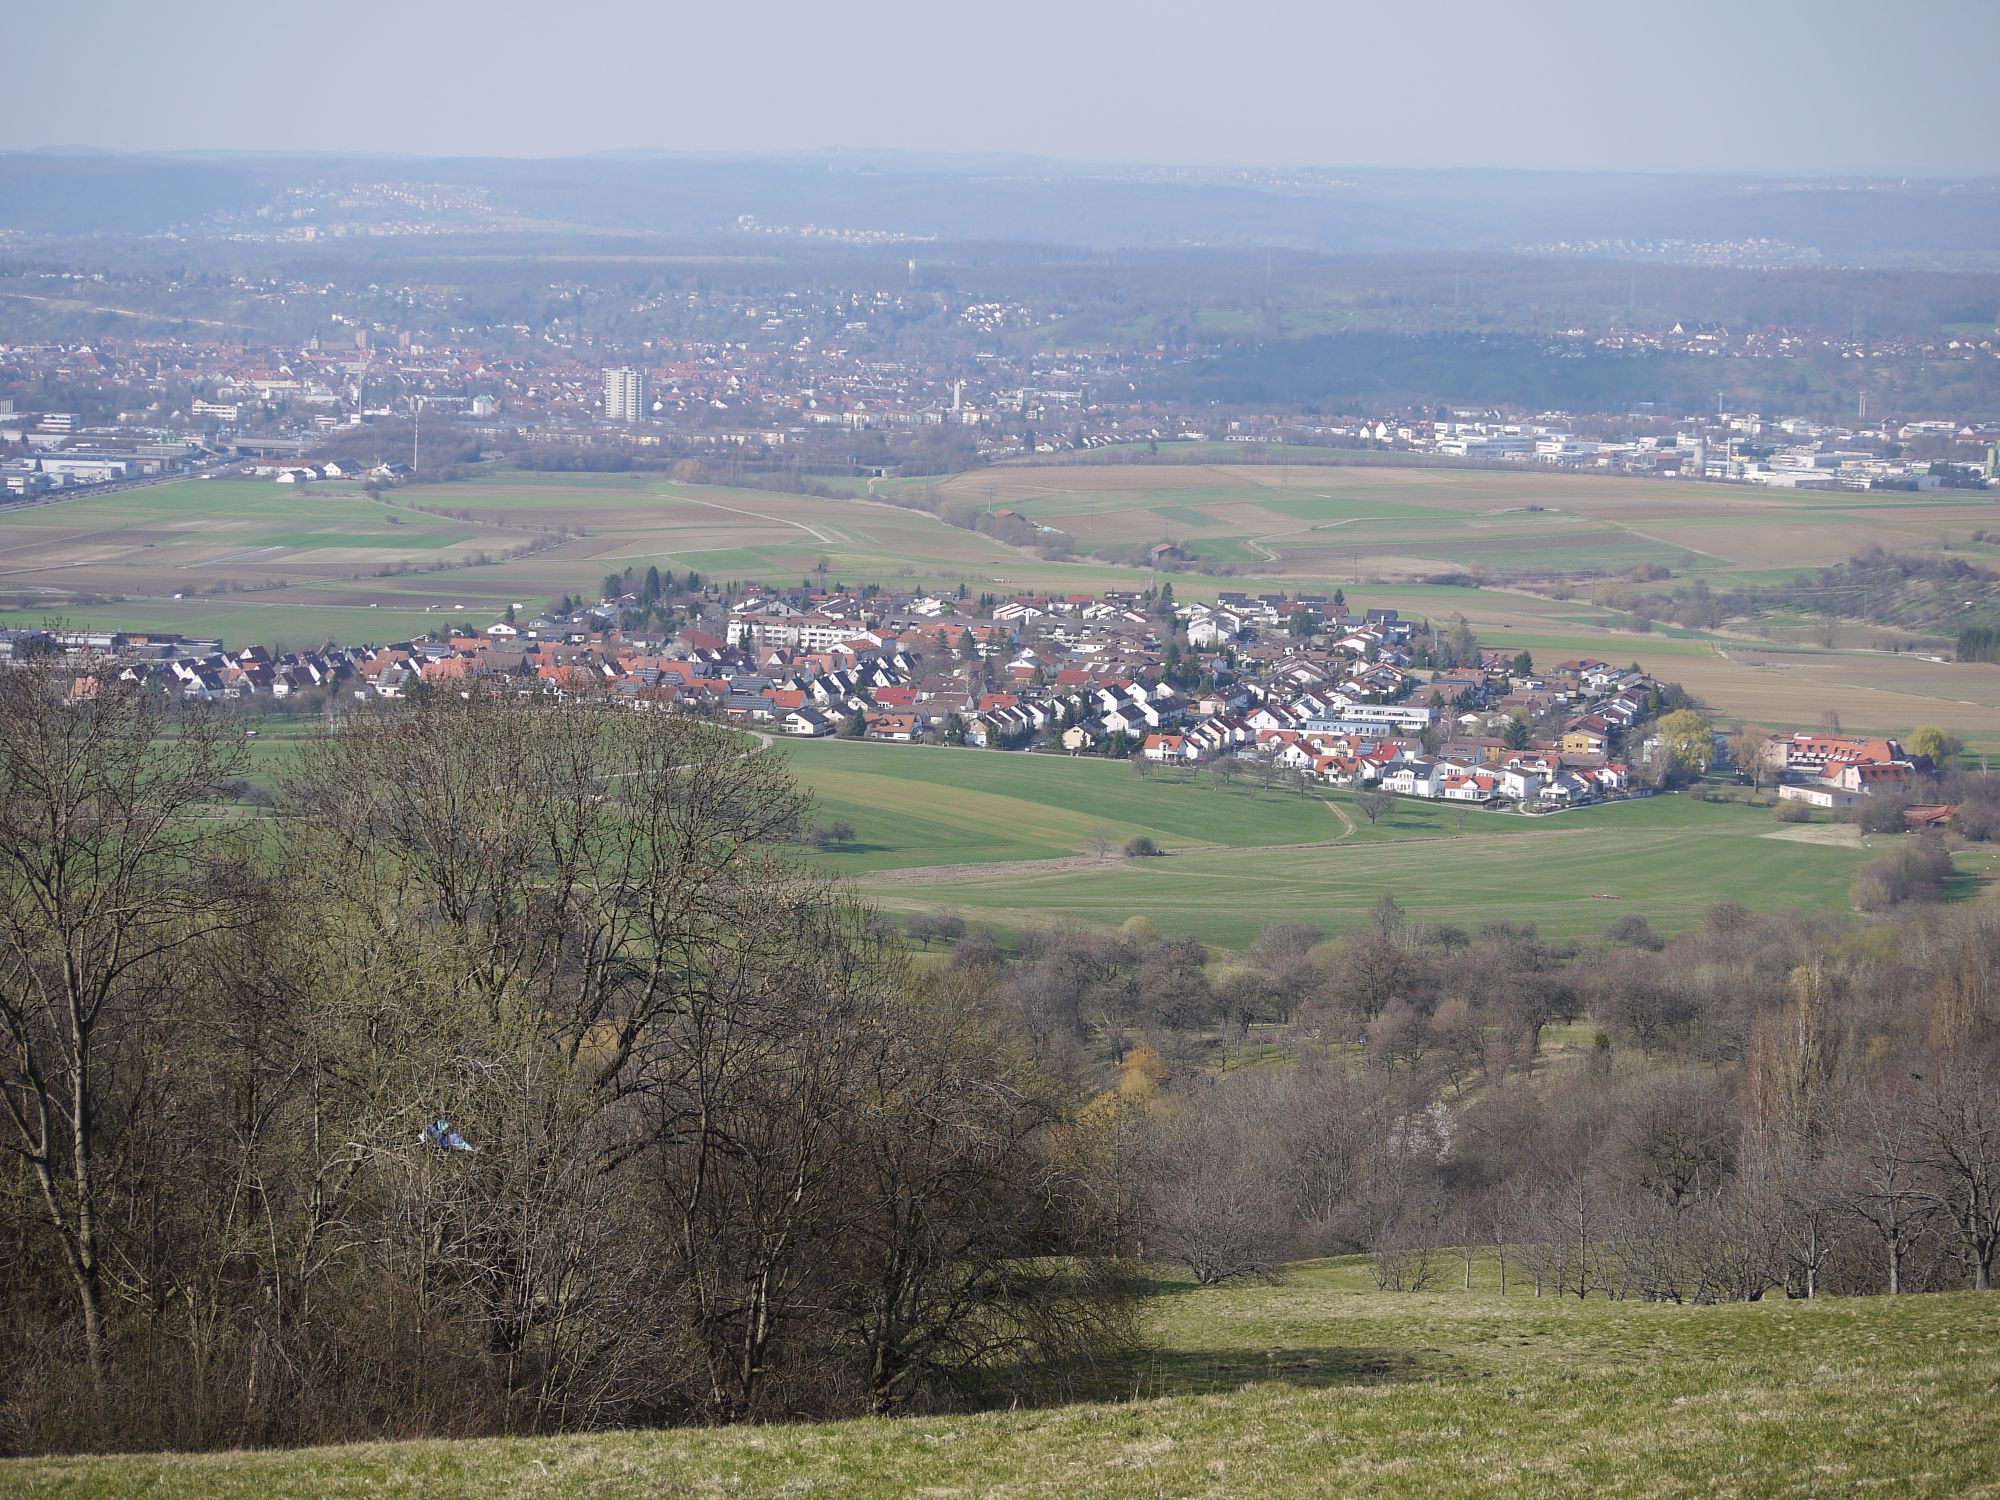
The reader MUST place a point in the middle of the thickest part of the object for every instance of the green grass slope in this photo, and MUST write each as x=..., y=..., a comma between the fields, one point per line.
x=1668, y=859
x=1322, y=1386
x=1242, y=857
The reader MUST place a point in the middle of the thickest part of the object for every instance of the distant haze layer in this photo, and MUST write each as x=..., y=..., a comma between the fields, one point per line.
x=1830, y=86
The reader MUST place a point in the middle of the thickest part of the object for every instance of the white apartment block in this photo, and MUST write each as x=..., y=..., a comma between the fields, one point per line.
x=624, y=394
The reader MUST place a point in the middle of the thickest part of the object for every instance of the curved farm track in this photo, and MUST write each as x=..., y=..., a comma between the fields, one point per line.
x=1075, y=864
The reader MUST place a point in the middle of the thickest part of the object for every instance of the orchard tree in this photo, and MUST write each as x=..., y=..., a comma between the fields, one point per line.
x=1750, y=748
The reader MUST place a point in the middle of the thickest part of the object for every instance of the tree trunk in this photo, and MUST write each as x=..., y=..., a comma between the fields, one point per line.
x=89, y=1282
x=92, y=1297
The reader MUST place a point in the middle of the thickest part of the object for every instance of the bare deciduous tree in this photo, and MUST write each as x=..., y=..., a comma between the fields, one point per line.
x=1955, y=1123
x=1883, y=1187
x=111, y=873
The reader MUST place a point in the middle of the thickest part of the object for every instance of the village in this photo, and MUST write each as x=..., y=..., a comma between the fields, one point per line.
x=1302, y=687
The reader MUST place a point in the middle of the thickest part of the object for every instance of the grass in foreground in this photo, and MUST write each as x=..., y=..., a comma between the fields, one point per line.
x=1322, y=1386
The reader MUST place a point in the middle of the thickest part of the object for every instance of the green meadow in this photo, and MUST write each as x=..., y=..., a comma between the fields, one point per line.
x=1241, y=857
x=920, y=805
x=1571, y=874
x=241, y=515
x=1009, y=839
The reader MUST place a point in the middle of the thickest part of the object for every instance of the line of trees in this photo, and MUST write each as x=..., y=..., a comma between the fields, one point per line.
x=1892, y=588
x=1979, y=643
x=514, y=1076
x=1642, y=1183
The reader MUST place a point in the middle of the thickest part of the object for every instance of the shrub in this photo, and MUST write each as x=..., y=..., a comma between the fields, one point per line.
x=1914, y=872
x=1881, y=814
x=1978, y=819
x=1637, y=932
x=1794, y=812
x=1141, y=846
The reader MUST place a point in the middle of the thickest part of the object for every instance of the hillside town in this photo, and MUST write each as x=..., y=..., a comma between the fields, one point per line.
x=1303, y=688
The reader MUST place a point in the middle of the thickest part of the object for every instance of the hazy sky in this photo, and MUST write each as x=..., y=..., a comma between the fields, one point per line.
x=1689, y=85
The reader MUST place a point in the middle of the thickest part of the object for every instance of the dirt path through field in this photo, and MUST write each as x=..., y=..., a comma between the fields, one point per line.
x=736, y=510
x=1839, y=835
x=1256, y=543
x=1068, y=864
x=1073, y=864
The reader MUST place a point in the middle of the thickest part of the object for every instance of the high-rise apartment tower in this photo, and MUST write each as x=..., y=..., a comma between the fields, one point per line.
x=624, y=394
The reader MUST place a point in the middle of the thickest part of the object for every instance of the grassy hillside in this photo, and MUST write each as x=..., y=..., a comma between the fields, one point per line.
x=1006, y=839
x=1321, y=1386
x=913, y=805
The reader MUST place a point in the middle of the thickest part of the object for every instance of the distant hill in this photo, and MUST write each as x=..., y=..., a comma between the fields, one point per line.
x=1920, y=222
x=101, y=193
